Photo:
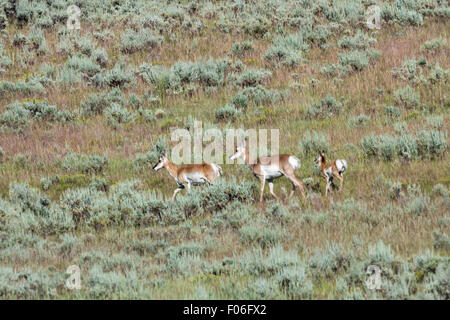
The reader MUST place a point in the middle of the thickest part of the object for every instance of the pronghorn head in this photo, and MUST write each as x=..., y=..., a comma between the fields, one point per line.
x=161, y=162
x=239, y=152
x=320, y=158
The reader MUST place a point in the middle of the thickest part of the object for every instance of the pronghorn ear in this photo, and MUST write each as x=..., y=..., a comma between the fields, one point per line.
x=165, y=154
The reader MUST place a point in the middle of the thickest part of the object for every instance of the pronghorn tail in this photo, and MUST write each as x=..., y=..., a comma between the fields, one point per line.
x=217, y=169
x=294, y=162
x=341, y=165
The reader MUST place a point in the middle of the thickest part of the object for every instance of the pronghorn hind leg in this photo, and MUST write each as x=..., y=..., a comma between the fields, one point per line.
x=295, y=183
x=301, y=188
x=271, y=189
x=339, y=176
x=292, y=191
x=211, y=179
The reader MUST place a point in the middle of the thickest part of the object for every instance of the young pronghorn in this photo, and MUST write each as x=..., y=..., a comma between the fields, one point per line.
x=187, y=174
x=332, y=169
x=270, y=168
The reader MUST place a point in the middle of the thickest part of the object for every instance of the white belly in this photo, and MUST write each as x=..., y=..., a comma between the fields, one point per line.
x=271, y=172
x=195, y=177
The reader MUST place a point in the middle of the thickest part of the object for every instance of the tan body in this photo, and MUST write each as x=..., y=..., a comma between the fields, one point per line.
x=189, y=174
x=328, y=170
x=270, y=168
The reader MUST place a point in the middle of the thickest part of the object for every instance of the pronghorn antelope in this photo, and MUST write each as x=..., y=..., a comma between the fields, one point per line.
x=187, y=174
x=332, y=169
x=270, y=168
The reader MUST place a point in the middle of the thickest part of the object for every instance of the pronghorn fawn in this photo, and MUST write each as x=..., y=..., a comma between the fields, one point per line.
x=331, y=169
x=272, y=167
x=187, y=174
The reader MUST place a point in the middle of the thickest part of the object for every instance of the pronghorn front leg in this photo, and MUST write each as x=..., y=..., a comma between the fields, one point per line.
x=292, y=191
x=263, y=182
x=328, y=186
x=176, y=191
x=300, y=187
x=271, y=189
x=325, y=176
x=341, y=179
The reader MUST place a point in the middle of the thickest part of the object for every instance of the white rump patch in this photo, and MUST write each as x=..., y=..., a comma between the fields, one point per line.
x=216, y=169
x=294, y=162
x=341, y=165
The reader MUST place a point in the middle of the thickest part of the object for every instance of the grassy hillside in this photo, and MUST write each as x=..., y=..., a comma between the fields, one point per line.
x=84, y=114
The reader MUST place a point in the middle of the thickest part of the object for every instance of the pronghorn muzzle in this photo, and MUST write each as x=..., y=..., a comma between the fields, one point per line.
x=158, y=166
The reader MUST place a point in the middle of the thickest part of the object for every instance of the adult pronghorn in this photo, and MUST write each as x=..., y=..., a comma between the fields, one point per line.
x=332, y=169
x=187, y=174
x=272, y=167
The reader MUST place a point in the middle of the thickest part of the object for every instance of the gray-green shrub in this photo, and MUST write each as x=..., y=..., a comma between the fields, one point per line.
x=288, y=50
x=327, y=107
x=359, y=120
x=95, y=103
x=257, y=95
x=426, y=144
x=133, y=41
x=253, y=77
x=228, y=113
x=313, y=142
x=431, y=143
x=435, y=44
x=360, y=40
x=242, y=48
x=84, y=163
x=357, y=59
x=407, y=97
x=265, y=237
x=392, y=112
x=115, y=115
